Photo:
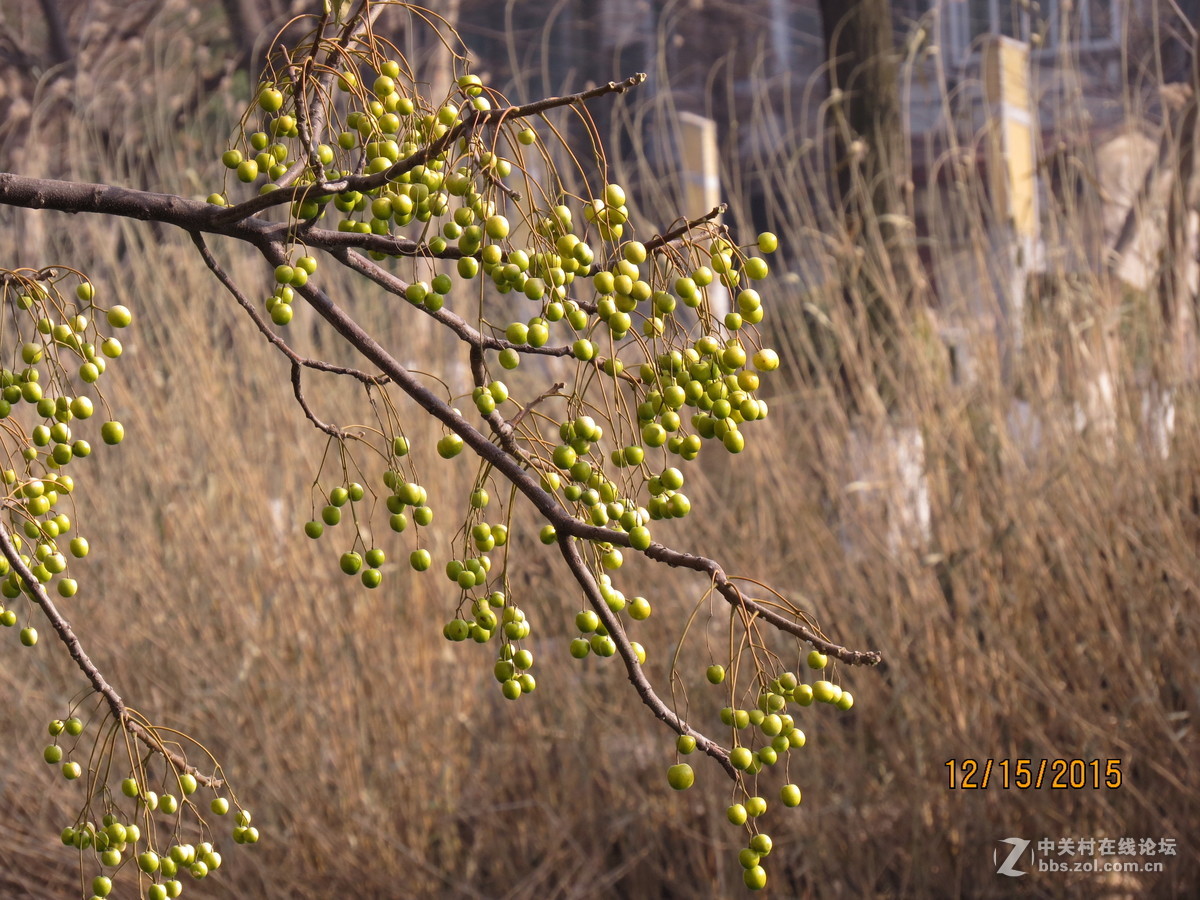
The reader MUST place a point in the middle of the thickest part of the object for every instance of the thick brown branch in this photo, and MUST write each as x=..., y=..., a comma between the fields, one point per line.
x=190, y=215
x=195, y=216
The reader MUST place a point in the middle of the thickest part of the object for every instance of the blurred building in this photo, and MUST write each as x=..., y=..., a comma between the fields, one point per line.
x=1055, y=107
x=756, y=68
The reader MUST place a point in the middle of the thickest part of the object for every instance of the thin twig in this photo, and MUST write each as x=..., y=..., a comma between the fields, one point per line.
x=331, y=430
x=299, y=78
x=661, y=240
x=100, y=685
x=555, y=390
x=633, y=667
x=272, y=338
x=455, y=323
x=495, y=419
x=356, y=26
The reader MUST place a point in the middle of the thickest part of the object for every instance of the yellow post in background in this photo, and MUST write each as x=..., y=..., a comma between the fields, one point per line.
x=701, y=176
x=1012, y=173
x=1011, y=115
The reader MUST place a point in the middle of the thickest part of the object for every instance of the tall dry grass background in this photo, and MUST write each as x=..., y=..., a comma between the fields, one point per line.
x=1051, y=613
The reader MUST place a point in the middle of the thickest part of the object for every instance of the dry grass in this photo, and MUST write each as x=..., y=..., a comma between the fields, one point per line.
x=1051, y=614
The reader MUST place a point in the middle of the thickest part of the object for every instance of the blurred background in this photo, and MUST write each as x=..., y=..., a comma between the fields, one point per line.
x=983, y=460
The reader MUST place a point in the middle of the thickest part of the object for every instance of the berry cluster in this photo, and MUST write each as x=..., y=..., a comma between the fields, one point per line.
x=773, y=729
x=46, y=397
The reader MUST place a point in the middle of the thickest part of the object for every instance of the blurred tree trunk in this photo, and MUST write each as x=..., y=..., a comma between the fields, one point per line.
x=437, y=58
x=246, y=21
x=249, y=20
x=860, y=50
x=56, y=32
x=1178, y=303
x=866, y=131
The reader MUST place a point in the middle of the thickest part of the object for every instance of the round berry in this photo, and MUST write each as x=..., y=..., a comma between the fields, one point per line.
x=680, y=776
x=755, y=878
x=449, y=446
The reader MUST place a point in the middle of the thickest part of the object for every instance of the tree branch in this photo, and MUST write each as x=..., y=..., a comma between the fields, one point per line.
x=191, y=215
x=356, y=26
x=734, y=596
x=545, y=503
x=272, y=338
x=297, y=389
x=195, y=216
x=60, y=48
x=661, y=240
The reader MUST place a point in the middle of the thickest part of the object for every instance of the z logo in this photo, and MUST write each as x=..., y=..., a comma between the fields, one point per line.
x=1019, y=845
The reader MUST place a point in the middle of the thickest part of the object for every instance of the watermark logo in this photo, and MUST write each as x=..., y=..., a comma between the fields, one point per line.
x=1016, y=847
x=1081, y=854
